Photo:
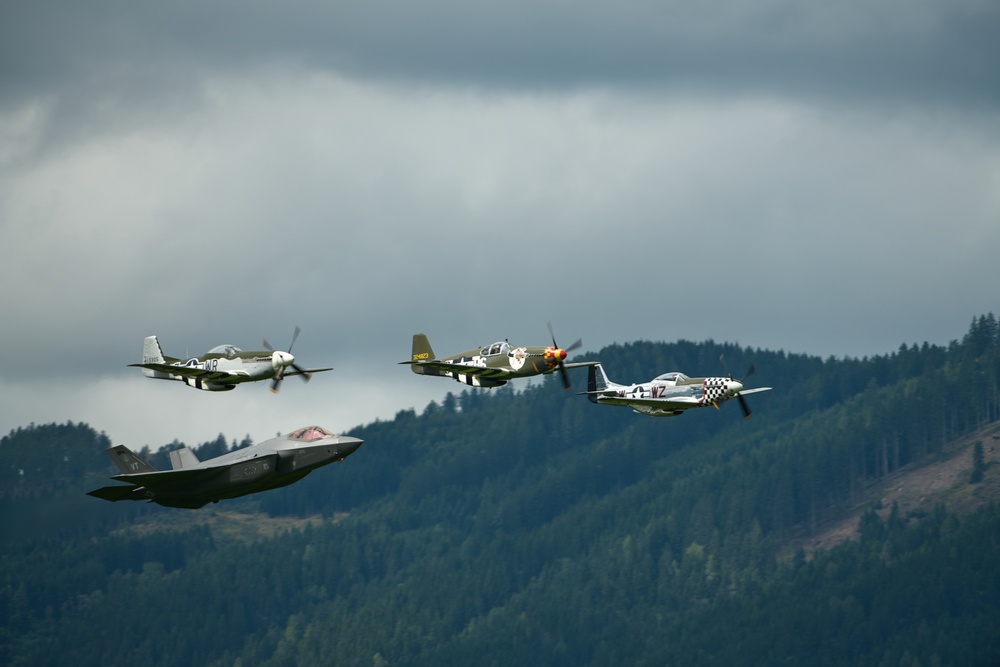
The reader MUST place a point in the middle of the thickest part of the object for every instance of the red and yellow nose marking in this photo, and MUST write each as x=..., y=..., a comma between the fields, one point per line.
x=553, y=355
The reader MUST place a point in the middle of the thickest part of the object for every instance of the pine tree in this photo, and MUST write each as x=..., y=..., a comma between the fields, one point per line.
x=978, y=463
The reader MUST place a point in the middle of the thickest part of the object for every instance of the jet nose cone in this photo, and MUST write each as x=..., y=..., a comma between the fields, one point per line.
x=348, y=445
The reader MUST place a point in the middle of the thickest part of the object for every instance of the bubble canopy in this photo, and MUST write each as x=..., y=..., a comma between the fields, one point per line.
x=670, y=377
x=229, y=350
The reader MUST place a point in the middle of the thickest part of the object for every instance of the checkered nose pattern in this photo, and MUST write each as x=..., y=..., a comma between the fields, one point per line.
x=716, y=390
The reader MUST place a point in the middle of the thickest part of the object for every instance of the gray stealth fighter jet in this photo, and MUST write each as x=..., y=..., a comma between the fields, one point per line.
x=192, y=483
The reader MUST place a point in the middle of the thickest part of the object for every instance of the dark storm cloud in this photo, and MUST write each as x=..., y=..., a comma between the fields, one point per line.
x=929, y=51
x=813, y=177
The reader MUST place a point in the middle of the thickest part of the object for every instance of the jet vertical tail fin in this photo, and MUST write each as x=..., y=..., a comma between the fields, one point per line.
x=127, y=461
x=183, y=458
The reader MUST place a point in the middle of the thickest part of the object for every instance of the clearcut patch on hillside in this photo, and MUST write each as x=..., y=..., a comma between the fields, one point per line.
x=917, y=488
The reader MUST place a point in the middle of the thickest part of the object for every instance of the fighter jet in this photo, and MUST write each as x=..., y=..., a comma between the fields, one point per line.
x=670, y=394
x=493, y=365
x=224, y=366
x=192, y=483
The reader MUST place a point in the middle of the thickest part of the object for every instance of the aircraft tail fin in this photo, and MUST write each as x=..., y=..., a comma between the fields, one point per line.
x=421, y=352
x=183, y=458
x=597, y=381
x=127, y=461
x=152, y=353
x=422, y=348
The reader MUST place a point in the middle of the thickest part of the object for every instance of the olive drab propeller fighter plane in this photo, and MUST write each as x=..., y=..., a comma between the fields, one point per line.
x=223, y=367
x=493, y=365
x=670, y=394
x=192, y=483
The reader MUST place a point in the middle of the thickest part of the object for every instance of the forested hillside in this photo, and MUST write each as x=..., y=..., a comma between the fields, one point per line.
x=533, y=527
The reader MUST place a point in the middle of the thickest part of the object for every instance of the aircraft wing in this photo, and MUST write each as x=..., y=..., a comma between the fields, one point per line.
x=678, y=403
x=306, y=371
x=675, y=403
x=754, y=391
x=464, y=369
x=171, y=479
x=581, y=364
x=200, y=373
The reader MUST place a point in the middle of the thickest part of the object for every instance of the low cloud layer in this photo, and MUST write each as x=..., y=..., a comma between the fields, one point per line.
x=816, y=180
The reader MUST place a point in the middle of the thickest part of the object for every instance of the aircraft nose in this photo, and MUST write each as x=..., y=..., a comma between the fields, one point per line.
x=561, y=354
x=348, y=445
x=282, y=359
x=734, y=387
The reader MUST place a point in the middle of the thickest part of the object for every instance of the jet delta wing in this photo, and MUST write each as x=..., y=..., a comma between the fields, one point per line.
x=192, y=483
x=223, y=367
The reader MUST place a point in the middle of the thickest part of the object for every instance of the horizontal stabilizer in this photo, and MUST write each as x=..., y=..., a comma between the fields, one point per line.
x=581, y=364
x=113, y=493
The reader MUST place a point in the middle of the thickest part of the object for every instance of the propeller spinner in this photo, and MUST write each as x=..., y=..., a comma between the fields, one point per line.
x=560, y=355
x=282, y=360
x=736, y=386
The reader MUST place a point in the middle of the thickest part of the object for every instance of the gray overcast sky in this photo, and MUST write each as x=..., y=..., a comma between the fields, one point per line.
x=806, y=176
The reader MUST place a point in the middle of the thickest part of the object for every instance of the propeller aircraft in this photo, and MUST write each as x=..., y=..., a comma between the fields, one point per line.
x=670, y=394
x=224, y=366
x=494, y=365
x=192, y=483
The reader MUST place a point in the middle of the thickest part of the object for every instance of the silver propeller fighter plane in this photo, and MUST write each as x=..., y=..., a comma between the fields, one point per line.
x=192, y=483
x=223, y=367
x=670, y=394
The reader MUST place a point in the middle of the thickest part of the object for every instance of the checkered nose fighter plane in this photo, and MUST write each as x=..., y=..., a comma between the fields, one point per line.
x=670, y=394
x=192, y=483
x=494, y=365
x=223, y=367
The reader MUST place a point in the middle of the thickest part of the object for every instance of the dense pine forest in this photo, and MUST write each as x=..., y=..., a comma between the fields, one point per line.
x=528, y=526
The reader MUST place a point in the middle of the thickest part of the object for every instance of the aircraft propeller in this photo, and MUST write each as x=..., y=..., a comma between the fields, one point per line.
x=561, y=355
x=739, y=395
x=283, y=360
